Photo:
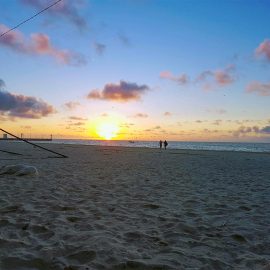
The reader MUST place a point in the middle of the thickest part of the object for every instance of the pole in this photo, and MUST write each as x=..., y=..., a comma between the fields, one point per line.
x=21, y=139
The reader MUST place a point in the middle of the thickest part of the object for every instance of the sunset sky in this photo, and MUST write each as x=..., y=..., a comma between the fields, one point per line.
x=196, y=70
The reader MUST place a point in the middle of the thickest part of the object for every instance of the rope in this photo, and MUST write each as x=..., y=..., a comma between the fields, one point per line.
x=41, y=147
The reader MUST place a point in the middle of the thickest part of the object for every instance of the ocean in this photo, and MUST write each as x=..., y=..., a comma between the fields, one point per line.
x=216, y=146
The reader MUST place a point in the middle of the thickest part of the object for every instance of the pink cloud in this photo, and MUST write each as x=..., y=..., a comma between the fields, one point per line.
x=181, y=79
x=94, y=95
x=141, y=115
x=38, y=44
x=261, y=89
x=72, y=105
x=217, y=78
x=14, y=39
x=122, y=92
x=264, y=49
x=223, y=77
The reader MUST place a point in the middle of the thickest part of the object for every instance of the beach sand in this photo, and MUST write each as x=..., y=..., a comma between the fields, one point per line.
x=134, y=208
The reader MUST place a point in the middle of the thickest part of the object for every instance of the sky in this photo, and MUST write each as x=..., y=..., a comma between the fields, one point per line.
x=181, y=70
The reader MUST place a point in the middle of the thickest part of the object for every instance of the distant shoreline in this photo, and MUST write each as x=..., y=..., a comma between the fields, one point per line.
x=177, y=145
x=153, y=145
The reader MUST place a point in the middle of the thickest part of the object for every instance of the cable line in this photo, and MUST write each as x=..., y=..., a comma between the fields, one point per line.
x=18, y=25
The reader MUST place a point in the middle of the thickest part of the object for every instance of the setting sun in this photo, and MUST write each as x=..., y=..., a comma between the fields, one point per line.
x=107, y=131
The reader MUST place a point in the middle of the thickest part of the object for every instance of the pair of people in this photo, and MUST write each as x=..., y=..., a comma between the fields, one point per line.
x=165, y=144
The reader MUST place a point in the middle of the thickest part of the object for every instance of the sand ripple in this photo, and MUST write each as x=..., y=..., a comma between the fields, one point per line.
x=121, y=208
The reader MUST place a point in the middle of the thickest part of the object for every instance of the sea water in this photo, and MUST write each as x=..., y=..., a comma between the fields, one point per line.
x=216, y=146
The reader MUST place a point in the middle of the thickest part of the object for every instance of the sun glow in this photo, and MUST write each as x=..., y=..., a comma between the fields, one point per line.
x=107, y=131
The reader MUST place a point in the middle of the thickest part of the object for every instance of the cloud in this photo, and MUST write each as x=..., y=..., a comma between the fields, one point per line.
x=124, y=39
x=72, y=105
x=264, y=49
x=217, y=122
x=217, y=111
x=99, y=48
x=77, y=124
x=77, y=118
x=181, y=79
x=68, y=9
x=2, y=84
x=122, y=92
x=212, y=79
x=167, y=114
x=261, y=89
x=265, y=130
x=126, y=125
x=141, y=115
x=242, y=130
x=14, y=105
x=38, y=44
x=104, y=115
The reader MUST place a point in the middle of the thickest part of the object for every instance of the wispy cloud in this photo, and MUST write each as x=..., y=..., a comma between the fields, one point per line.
x=217, y=111
x=124, y=39
x=263, y=49
x=181, y=79
x=38, y=44
x=256, y=87
x=212, y=79
x=77, y=124
x=71, y=105
x=14, y=105
x=217, y=122
x=121, y=92
x=126, y=125
x=243, y=130
x=141, y=115
x=68, y=9
x=99, y=48
x=77, y=118
x=167, y=114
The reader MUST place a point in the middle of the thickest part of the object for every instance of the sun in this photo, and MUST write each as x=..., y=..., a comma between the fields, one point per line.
x=107, y=131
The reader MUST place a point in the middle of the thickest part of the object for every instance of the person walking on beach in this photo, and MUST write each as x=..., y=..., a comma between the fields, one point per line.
x=165, y=144
x=160, y=144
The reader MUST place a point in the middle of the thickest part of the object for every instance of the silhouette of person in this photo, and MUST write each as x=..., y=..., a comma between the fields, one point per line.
x=165, y=144
x=160, y=144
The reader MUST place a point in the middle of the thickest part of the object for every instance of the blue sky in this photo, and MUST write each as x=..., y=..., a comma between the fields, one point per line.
x=201, y=61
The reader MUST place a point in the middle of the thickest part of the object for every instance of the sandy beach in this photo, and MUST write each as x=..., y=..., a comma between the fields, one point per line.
x=134, y=208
